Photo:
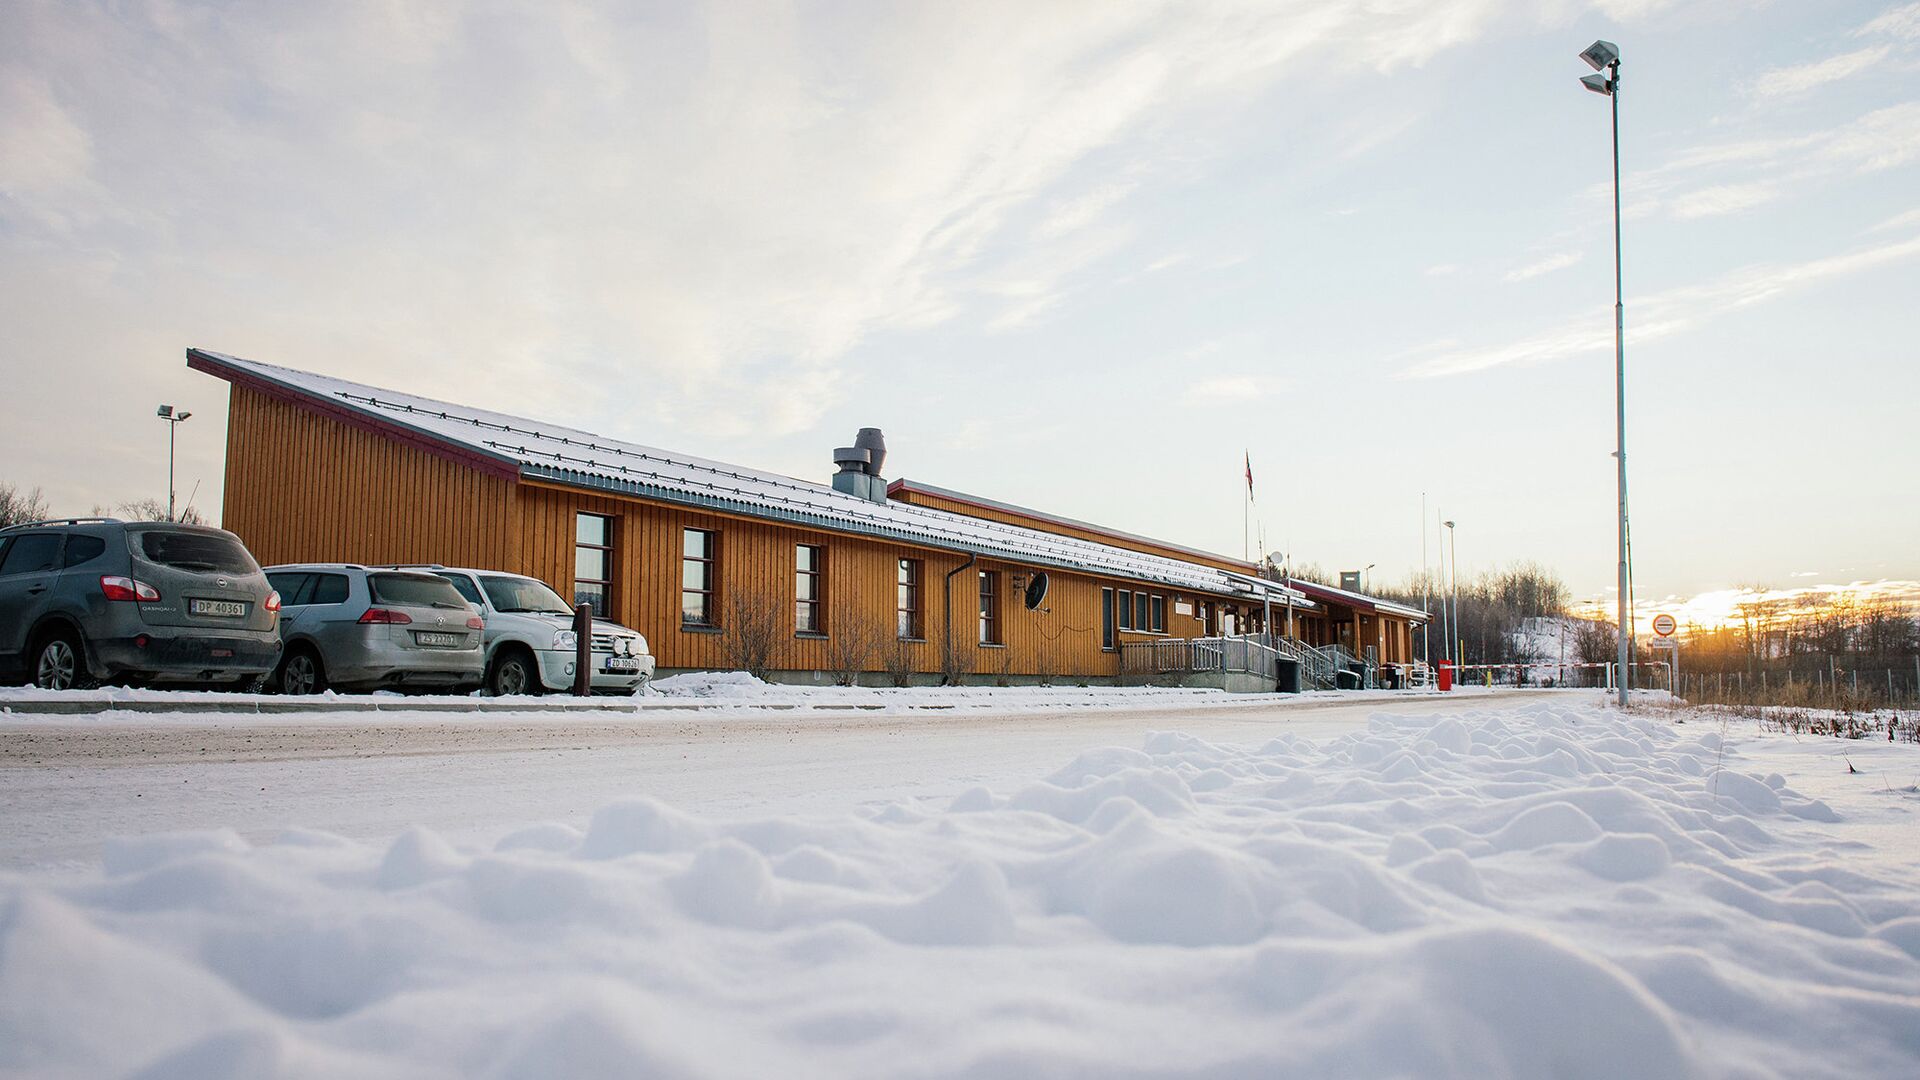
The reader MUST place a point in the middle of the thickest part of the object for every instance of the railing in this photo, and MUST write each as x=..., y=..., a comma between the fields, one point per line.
x=1172, y=659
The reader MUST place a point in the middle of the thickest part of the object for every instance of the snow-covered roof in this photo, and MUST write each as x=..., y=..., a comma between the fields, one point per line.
x=1357, y=600
x=538, y=450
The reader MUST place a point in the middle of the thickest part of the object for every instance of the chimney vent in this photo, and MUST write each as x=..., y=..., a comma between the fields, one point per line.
x=859, y=466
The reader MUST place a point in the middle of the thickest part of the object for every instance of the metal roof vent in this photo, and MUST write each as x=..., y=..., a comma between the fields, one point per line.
x=859, y=466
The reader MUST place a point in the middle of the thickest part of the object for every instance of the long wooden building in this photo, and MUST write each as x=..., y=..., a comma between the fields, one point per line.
x=899, y=581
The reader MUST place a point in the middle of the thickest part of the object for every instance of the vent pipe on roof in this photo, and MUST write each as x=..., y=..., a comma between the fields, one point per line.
x=859, y=466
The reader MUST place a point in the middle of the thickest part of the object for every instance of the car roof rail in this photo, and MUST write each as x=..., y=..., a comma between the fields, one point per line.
x=64, y=521
x=412, y=566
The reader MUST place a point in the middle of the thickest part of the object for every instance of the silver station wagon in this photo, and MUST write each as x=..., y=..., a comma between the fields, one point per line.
x=349, y=627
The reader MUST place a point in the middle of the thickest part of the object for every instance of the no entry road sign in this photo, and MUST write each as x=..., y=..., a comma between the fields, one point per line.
x=1663, y=625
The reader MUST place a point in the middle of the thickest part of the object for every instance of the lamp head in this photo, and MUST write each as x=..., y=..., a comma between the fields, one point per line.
x=1600, y=54
x=1599, y=84
x=1449, y=524
x=164, y=410
x=182, y=415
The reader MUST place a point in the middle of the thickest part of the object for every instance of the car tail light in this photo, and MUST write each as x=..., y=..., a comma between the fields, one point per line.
x=385, y=615
x=126, y=588
x=474, y=622
x=273, y=601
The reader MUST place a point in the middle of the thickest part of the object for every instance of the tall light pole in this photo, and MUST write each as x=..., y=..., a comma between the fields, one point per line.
x=1604, y=56
x=1459, y=645
x=174, y=420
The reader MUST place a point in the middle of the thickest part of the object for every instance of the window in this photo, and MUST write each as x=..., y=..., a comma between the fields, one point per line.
x=289, y=584
x=696, y=578
x=328, y=589
x=414, y=590
x=1107, y=626
x=593, y=563
x=32, y=554
x=464, y=585
x=1141, y=621
x=809, y=566
x=1159, y=614
x=989, y=607
x=84, y=549
x=184, y=550
x=907, y=601
x=517, y=595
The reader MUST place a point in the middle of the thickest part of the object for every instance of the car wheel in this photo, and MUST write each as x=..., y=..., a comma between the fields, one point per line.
x=301, y=673
x=60, y=663
x=513, y=675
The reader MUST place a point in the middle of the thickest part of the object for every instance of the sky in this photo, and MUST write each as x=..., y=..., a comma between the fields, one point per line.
x=1090, y=258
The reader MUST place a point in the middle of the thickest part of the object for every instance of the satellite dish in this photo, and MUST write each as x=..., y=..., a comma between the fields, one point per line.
x=1036, y=590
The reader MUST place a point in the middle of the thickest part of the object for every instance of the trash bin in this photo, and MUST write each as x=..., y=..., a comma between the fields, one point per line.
x=1446, y=674
x=1288, y=681
x=1347, y=679
x=1390, y=677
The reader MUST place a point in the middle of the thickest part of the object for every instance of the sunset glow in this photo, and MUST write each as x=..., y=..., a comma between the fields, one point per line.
x=1725, y=607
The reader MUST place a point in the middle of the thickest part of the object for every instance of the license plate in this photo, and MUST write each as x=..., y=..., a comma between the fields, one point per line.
x=226, y=608
x=428, y=637
x=622, y=664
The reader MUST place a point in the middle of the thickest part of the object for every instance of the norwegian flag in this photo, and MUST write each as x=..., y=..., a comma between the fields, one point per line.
x=1249, y=474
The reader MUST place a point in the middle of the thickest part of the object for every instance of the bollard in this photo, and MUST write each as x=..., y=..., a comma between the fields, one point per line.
x=582, y=650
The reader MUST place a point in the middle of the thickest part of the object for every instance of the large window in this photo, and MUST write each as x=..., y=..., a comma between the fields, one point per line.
x=1159, y=613
x=989, y=607
x=1141, y=620
x=593, y=563
x=1107, y=627
x=907, y=600
x=1126, y=609
x=696, y=578
x=809, y=570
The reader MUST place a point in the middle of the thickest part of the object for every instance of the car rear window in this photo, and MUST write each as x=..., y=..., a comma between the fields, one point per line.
x=417, y=590
x=196, y=551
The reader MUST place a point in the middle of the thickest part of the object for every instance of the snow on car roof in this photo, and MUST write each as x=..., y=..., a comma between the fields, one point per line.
x=555, y=453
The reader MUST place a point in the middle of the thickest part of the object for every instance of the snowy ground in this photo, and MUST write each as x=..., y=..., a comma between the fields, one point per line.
x=1508, y=885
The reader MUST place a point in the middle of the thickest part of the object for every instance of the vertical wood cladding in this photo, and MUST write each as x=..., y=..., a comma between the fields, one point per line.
x=301, y=487
x=305, y=487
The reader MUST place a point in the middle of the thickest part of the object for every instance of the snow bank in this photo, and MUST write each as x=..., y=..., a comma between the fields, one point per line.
x=1556, y=891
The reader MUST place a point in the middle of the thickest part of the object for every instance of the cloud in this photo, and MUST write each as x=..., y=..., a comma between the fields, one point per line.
x=1545, y=266
x=699, y=212
x=1900, y=22
x=1800, y=78
x=1226, y=389
x=1661, y=315
x=1722, y=199
x=1905, y=220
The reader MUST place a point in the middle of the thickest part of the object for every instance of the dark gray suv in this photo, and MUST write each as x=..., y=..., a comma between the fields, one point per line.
x=89, y=600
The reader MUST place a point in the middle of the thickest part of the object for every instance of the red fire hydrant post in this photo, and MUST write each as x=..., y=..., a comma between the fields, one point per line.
x=582, y=650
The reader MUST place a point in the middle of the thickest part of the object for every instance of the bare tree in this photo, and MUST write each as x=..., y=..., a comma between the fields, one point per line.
x=900, y=663
x=17, y=506
x=152, y=510
x=851, y=643
x=754, y=624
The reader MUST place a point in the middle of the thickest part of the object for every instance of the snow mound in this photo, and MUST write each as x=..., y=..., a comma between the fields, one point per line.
x=1555, y=891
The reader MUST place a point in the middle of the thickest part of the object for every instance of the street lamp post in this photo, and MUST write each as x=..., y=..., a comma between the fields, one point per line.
x=1604, y=56
x=174, y=420
x=1453, y=550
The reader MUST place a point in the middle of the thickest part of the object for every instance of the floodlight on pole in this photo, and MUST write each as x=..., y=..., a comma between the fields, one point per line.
x=174, y=419
x=1604, y=56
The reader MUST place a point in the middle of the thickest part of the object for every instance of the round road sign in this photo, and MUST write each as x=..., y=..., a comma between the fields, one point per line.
x=1663, y=625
